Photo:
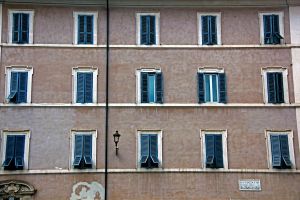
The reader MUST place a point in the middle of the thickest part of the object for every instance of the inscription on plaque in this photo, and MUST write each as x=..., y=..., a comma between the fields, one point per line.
x=250, y=185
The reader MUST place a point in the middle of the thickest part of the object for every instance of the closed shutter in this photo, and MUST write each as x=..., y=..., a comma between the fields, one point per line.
x=213, y=30
x=271, y=87
x=144, y=30
x=222, y=88
x=284, y=147
x=80, y=87
x=88, y=87
x=268, y=39
x=25, y=28
x=89, y=29
x=279, y=88
x=81, y=29
x=16, y=27
x=152, y=33
x=87, y=154
x=210, y=150
x=275, y=149
x=14, y=82
x=159, y=87
x=154, y=148
x=205, y=30
x=19, y=151
x=201, y=96
x=276, y=31
x=78, y=151
x=144, y=87
x=219, y=151
x=144, y=148
x=10, y=151
x=22, y=91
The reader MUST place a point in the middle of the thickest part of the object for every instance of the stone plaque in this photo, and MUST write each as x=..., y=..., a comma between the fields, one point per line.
x=249, y=185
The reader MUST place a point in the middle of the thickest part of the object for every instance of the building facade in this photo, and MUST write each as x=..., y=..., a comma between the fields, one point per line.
x=205, y=95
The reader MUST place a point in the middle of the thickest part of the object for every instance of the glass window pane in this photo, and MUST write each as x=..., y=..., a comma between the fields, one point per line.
x=207, y=87
x=215, y=88
x=151, y=87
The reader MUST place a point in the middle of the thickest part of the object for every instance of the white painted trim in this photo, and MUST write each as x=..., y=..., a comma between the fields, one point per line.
x=224, y=146
x=95, y=28
x=159, y=140
x=1, y=18
x=138, y=82
x=261, y=24
x=75, y=70
x=290, y=135
x=138, y=27
x=218, y=70
x=199, y=25
x=26, y=150
x=8, y=71
x=10, y=22
x=284, y=72
x=94, y=146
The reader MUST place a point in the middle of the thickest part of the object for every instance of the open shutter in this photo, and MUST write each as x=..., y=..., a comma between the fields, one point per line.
x=19, y=151
x=213, y=30
x=275, y=149
x=205, y=30
x=10, y=151
x=271, y=87
x=152, y=31
x=276, y=31
x=201, y=88
x=14, y=81
x=279, y=88
x=78, y=151
x=284, y=147
x=159, y=88
x=144, y=87
x=210, y=150
x=154, y=148
x=16, y=27
x=22, y=93
x=88, y=87
x=81, y=29
x=87, y=154
x=144, y=148
x=144, y=30
x=24, y=28
x=268, y=39
x=219, y=151
x=80, y=87
x=222, y=88
x=89, y=29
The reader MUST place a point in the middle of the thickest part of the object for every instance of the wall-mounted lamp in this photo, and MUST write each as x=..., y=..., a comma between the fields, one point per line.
x=116, y=140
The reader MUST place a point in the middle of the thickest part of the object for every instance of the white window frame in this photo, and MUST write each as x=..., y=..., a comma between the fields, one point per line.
x=159, y=141
x=224, y=146
x=10, y=24
x=138, y=82
x=290, y=135
x=157, y=27
x=261, y=24
x=74, y=84
x=5, y=133
x=8, y=71
x=284, y=72
x=218, y=21
x=95, y=28
x=94, y=146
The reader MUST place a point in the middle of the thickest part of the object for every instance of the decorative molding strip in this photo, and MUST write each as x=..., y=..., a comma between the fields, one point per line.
x=159, y=170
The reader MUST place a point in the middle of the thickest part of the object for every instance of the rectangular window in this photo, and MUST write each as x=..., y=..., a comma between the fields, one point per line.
x=20, y=27
x=151, y=86
x=85, y=85
x=149, y=149
x=147, y=28
x=85, y=31
x=209, y=28
x=212, y=87
x=84, y=150
x=271, y=28
x=15, y=150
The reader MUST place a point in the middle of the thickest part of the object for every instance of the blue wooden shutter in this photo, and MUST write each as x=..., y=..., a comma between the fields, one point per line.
x=271, y=87
x=213, y=30
x=22, y=90
x=210, y=150
x=78, y=151
x=144, y=30
x=222, y=88
x=87, y=154
x=201, y=95
x=80, y=87
x=144, y=87
x=275, y=149
x=268, y=38
x=144, y=148
x=10, y=150
x=89, y=29
x=205, y=30
x=159, y=87
x=16, y=27
x=284, y=147
x=14, y=82
x=24, y=28
x=152, y=31
x=154, y=148
x=219, y=151
x=279, y=88
x=19, y=151
x=81, y=29
x=88, y=87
